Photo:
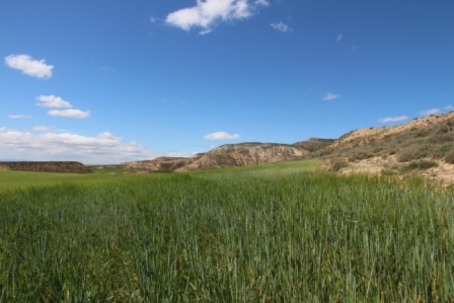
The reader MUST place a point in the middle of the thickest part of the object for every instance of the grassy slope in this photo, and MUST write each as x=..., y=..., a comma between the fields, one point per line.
x=19, y=179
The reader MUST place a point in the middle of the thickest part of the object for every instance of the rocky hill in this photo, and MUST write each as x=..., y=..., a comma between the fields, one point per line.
x=228, y=155
x=422, y=146
x=52, y=166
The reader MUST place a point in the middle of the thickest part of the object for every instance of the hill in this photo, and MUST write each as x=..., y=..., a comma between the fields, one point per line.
x=47, y=166
x=422, y=146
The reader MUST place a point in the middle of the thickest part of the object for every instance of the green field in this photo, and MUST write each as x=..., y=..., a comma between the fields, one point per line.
x=270, y=233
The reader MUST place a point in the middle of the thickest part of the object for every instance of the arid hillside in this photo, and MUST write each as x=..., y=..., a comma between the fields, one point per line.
x=228, y=155
x=423, y=146
x=49, y=166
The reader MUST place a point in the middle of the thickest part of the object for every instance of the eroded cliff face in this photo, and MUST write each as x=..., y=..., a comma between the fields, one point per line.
x=160, y=164
x=229, y=155
x=245, y=154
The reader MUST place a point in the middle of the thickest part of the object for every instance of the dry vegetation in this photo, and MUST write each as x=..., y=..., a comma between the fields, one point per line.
x=423, y=146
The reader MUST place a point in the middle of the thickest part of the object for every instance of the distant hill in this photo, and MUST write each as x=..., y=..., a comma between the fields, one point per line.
x=422, y=146
x=228, y=155
x=48, y=166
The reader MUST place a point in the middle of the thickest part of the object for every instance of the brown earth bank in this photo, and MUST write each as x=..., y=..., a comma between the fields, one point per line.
x=229, y=155
x=49, y=166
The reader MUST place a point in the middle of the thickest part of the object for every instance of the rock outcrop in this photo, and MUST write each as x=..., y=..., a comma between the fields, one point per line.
x=51, y=166
x=228, y=155
x=160, y=164
x=314, y=144
x=245, y=154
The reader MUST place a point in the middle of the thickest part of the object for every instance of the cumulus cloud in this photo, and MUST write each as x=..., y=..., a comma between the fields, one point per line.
x=221, y=136
x=52, y=101
x=392, y=119
x=29, y=66
x=19, y=116
x=281, y=26
x=100, y=149
x=207, y=13
x=432, y=111
x=69, y=113
x=330, y=96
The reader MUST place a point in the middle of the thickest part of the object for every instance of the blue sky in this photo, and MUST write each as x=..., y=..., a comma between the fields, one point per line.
x=108, y=81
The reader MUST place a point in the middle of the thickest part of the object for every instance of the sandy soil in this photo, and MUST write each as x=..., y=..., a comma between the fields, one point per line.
x=443, y=173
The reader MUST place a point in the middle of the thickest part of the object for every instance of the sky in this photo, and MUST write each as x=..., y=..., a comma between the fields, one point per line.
x=110, y=81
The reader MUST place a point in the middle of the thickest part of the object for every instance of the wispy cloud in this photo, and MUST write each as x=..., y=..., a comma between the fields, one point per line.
x=207, y=13
x=19, y=116
x=393, y=119
x=432, y=111
x=52, y=101
x=282, y=27
x=339, y=37
x=221, y=136
x=330, y=96
x=101, y=149
x=69, y=113
x=41, y=128
x=25, y=63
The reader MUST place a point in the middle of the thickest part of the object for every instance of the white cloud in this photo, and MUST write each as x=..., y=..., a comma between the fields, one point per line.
x=432, y=111
x=330, y=96
x=392, y=119
x=449, y=107
x=69, y=113
x=339, y=37
x=41, y=128
x=281, y=26
x=19, y=116
x=52, y=101
x=221, y=136
x=29, y=66
x=101, y=149
x=208, y=12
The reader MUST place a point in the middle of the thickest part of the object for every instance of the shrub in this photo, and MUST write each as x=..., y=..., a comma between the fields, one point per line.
x=388, y=172
x=443, y=138
x=421, y=165
x=337, y=164
x=406, y=155
x=413, y=152
x=449, y=157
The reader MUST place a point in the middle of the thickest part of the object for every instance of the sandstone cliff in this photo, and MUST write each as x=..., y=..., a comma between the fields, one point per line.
x=228, y=155
x=245, y=154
